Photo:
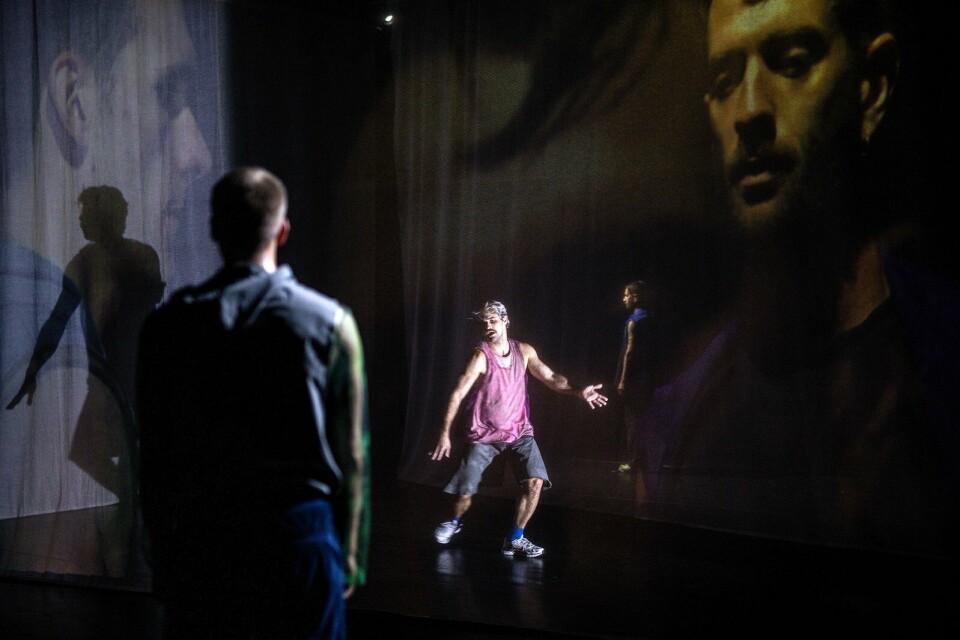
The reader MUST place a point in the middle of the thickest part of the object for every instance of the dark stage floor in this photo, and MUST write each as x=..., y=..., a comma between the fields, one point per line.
x=600, y=577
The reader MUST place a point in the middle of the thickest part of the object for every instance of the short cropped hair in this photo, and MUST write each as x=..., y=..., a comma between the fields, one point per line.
x=859, y=20
x=636, y=286
x=97, y=32
x=248, y=205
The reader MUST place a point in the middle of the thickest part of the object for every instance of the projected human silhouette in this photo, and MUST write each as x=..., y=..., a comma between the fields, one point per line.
x=117, y=282
x=106, y=93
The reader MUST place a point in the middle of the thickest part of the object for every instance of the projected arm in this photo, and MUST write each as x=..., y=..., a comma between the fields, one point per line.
x=48, y=339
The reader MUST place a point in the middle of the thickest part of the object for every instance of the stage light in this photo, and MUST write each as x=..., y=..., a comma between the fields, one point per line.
x=388, y=19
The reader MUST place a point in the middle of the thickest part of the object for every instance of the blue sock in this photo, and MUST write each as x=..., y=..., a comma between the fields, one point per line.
x=455, y=519
x=516, y=533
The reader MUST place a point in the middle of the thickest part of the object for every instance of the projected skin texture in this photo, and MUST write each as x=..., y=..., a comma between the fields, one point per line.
x=115, y=107
x=806, y=414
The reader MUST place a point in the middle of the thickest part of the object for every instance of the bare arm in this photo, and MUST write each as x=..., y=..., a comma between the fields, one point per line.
x=352, y=423
x=627, y=357
x=557, y=382
x=475, y=368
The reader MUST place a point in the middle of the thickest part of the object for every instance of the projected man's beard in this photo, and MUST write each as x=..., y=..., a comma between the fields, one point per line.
x=821, y=195
x=803, y=251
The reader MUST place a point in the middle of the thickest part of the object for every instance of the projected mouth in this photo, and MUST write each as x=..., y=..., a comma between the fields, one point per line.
x=760, y=187
x=759, y=179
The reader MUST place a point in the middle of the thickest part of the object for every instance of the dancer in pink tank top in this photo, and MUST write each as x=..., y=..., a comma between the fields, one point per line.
x=501, y=408
x=500, y=424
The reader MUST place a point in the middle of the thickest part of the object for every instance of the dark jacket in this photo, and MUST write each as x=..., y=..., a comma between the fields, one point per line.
x=242, y=403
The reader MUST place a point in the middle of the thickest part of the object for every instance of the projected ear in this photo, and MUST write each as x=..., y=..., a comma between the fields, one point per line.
x=883, y=61
x=67, y=113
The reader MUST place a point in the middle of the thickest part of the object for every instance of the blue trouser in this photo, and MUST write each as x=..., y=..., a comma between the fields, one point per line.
x=253, y=576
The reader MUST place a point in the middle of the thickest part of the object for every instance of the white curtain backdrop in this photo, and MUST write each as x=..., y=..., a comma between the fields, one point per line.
x=111, y=136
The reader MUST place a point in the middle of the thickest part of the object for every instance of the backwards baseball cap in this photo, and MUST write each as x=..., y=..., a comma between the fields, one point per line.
x=490, y=305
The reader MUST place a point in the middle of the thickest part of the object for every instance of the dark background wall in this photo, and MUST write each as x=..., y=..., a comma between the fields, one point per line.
x=303, y=77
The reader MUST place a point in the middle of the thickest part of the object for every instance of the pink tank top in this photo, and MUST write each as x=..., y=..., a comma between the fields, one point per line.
x=501, y=407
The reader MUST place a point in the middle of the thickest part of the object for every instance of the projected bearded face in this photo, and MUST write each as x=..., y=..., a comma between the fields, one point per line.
x=145, y=119
x=784, y=104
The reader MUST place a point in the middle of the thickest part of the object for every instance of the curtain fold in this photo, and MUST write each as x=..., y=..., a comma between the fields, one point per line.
x=550, y=153
x=547, y=154
x=112, y=129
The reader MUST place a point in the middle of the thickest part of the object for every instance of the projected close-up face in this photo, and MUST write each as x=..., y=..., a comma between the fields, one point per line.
x=106, y=132
x=146, y=113
x=117, y=100
x=779, y=98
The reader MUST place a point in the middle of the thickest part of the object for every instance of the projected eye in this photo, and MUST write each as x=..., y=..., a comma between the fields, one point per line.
x=723, y=85
x=793, y=55
x=794, y=63
x=726, y=73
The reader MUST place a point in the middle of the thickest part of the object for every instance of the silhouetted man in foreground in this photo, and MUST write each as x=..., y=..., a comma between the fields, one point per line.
x=252, y=402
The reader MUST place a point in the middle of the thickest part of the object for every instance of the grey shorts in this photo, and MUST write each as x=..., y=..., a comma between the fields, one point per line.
x=523, y=456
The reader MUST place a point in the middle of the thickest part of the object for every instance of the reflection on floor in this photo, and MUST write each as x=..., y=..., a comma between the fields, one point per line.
x=601, y=576
x=608, y=576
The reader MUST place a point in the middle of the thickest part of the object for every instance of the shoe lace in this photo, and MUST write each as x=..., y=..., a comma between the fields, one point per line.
x=524, y=544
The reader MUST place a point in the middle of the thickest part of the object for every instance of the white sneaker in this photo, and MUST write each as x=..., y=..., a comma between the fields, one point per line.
x=520, y=546
x=447, y=530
